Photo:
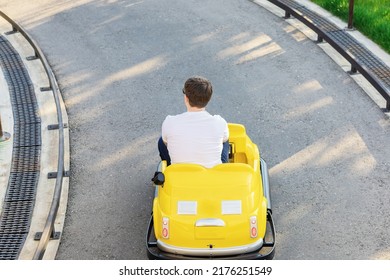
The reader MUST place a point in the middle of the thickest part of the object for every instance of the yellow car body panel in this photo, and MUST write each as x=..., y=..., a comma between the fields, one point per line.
x=206, y=210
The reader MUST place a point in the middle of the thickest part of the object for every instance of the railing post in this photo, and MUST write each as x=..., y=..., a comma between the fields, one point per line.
x=350, y=15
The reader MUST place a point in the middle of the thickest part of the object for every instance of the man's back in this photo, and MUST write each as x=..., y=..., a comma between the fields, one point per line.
x=195, y=137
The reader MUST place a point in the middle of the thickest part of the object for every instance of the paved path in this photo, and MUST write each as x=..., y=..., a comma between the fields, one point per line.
x=121, y=66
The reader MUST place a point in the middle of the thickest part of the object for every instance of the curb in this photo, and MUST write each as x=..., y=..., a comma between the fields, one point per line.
x=49, y=149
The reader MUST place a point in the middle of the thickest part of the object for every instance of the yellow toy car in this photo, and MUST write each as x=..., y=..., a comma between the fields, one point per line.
x=222, y=212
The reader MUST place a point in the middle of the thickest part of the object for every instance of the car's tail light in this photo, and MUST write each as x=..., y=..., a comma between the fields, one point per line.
x=165, y=227
x=253, y=226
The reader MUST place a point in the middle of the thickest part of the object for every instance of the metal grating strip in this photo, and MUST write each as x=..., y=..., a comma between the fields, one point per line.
x=290, y=3
x=318, y=21
x=6, y=50
x=22, y=94
x=16, y=217
x=9, y=245
x=19, y=200
x=22, y=186
x=26, y=159
x=26, y=113
x=362, y=55
x=13, y=70
x=26, y=135
x=306, y=14
x=13, y=67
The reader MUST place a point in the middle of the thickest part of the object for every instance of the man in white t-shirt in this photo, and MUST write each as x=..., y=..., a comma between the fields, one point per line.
x=195, y=136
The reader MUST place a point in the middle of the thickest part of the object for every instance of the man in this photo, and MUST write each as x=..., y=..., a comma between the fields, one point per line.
x=195, y=136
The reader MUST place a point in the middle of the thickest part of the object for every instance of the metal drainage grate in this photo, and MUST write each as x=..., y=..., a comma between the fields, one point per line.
x=312, y=18
x=9, y=245
x=288, y=3
x=6, y=50
x=318, y=21
x=26, y=159
x=26, y=135
x=15, y=217
x=26, y=113
x=22, y=94
x=21, y=186
x=363, y=56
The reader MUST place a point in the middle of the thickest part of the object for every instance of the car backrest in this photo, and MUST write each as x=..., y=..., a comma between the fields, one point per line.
x=244, y=150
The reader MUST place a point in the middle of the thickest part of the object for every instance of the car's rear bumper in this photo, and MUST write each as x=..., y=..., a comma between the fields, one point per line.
x=210, y=252
x=265, y=250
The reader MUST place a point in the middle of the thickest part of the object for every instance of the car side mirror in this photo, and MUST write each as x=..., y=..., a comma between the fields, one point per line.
x=158, y=178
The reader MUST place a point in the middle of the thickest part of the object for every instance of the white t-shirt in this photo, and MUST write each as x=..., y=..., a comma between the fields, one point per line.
x=195, y=137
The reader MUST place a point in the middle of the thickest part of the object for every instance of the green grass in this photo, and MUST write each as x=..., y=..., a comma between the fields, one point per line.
x=371, y=17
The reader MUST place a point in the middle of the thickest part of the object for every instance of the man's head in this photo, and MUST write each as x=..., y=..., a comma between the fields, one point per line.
x=198, y=91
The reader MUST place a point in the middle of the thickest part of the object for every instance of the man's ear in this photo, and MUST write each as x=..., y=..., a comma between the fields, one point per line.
x=186, y=100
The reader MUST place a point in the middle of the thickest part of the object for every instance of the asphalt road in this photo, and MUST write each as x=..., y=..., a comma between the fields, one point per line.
x=121, y=66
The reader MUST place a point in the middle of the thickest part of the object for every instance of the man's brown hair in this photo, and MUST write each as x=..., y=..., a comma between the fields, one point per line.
x=198, y=91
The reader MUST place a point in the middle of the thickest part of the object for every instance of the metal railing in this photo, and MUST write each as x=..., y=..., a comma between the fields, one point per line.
x=48, y=230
